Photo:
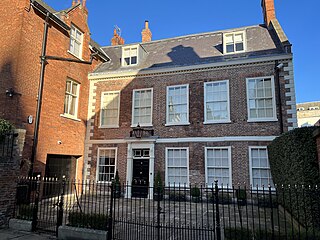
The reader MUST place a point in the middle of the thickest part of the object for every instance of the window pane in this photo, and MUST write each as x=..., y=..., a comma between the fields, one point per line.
x=218, y=166
x=106, y=166
x=177, y=104
x=142, y=107
x=71, y=97
x=230, y=48
x=110, y=108
x=217, y=101
x=261, y=174
x=177, y=166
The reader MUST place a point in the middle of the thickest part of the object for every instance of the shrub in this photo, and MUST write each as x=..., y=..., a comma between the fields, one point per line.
x=5, y=126
x=241, y=195
x=87, y=220
x=195, y=194
x=293, y=161
x=177, y=196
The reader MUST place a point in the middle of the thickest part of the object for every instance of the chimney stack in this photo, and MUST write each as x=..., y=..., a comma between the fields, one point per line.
x=268, y=11
x=146, y=33
x=116, y=40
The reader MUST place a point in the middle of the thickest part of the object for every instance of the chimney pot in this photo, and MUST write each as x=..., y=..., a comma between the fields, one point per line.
x=116, y=40
x=146, y=33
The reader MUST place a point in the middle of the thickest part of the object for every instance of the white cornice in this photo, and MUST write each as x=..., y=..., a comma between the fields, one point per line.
x=187, y=140
x=193, y=68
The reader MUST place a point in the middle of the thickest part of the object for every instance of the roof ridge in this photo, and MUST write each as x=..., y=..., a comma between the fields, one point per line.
x=185, y=36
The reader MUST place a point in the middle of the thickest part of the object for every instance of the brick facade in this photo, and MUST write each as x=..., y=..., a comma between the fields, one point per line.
x=22, y=26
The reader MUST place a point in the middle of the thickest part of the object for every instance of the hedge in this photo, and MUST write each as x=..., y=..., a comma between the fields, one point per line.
x=293, y=161
x=88, y=220
x=5, y=126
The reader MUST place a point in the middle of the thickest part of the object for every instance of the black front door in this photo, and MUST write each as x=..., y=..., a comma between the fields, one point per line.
x=140, y=178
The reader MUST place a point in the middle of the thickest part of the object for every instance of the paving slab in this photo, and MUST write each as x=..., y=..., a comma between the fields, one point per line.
x=6, y=234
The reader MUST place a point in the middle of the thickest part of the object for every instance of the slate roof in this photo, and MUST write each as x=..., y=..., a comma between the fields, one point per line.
x=193, y=50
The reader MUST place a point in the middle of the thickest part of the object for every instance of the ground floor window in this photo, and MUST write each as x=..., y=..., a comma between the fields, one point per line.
x=106, y=164
x=218, y=165
x=259, y=166
x=177, y=166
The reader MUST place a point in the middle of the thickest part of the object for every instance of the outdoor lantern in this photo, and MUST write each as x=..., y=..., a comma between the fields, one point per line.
x=138, y=131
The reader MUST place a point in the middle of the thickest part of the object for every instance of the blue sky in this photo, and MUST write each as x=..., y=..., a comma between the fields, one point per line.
x=170, y=18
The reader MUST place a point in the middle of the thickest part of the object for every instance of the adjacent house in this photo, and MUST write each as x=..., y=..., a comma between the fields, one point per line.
x=308, y=113
x=195, y=108
x=67, y=56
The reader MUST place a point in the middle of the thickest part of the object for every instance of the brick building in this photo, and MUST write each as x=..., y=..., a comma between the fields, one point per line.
x=65, y=90
x=210, y=104
x=308, y=113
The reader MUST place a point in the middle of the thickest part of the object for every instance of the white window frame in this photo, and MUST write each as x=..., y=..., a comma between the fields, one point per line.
x=250, y=166
x=229, y=162
x=122, y=58
x=68, y=115
x=132, y=115
x=101, y=106
x=272, y=119
x=167, y=106
x=234, y=33
x=74, y=39
x=205, y=103
x=98, y=162
x=166, y=171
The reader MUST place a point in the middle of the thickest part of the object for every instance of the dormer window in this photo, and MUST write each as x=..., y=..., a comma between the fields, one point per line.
x=314, y=108
x=301, y=109
x=234, y=42
x=130, y=56
x=76, y=38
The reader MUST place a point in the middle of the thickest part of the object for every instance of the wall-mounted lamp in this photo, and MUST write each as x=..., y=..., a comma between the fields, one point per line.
x=10, y=92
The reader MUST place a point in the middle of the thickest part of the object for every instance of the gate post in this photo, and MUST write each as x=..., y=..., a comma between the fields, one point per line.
x=218, y=228
x=110, y=219
x=60, y=209
x=36, y=204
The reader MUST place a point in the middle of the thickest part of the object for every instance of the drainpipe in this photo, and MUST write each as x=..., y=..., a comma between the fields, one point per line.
x=40, y=91
x=277, y=70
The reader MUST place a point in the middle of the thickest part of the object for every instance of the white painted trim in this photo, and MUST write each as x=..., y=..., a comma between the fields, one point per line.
x=234, y=33
x=166, y=167
x=250, y=165
x=274, y=118
x=130, y=148
x=81, y=45
x=229, y=161
x=64, y=115
x=186, y=140
x=137, y=46
x=205, y=103
x=132, y=108
x=167, y=106
x=101, y=101
x=67, y=115
x=217, y=139
x=180, y=70
x=98, y=161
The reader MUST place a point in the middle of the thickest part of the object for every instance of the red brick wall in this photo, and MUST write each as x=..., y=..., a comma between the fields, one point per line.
x=23, y=31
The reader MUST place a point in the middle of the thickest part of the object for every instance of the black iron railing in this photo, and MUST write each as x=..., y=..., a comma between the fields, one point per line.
x=174, y=212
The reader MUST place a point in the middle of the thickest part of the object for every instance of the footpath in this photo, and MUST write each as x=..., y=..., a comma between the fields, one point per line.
x=6, y=234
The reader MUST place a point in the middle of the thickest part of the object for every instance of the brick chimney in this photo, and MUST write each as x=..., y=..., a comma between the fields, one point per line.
x=268, y=11
x=146, y=33
x=116, y=40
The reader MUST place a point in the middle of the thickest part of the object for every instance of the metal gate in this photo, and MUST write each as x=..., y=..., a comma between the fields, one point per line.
x=173, y=213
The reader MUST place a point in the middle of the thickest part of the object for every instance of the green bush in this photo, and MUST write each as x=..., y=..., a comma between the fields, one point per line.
x=241, y=195
x=177, y=196
x=5, y=126
x=87, y=220
x=293, y=161
x=25, y=212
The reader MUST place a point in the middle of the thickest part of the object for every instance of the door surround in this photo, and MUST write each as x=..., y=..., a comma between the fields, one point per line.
x=131, y=147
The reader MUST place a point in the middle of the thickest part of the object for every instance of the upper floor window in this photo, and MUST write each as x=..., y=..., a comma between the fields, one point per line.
x=300, y=109
x=261, y=99
x=178, y=105
x=234, y=42
x=216, y=99
x=71, y=98
x=76, y=38
x=130, y=56
x=142, y=107
x=110, y=104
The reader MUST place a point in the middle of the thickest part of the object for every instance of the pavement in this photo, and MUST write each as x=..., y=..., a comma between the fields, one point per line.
x=6, y=234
